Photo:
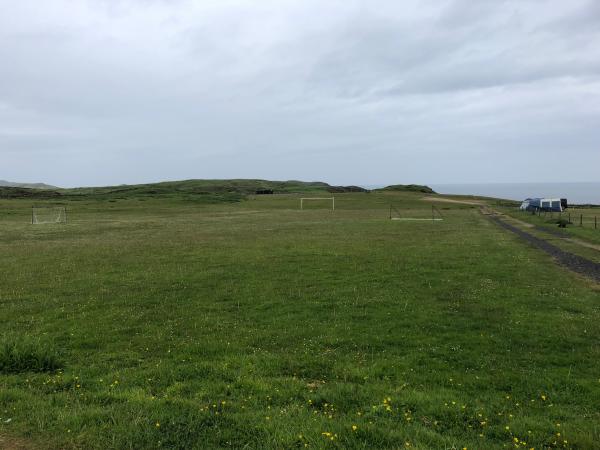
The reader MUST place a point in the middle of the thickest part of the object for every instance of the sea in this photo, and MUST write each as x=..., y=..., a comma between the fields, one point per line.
x=575, y=193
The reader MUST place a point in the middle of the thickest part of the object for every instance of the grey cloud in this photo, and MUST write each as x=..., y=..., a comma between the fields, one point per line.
x=581, y=20
x=391, y=59
x=102, y=92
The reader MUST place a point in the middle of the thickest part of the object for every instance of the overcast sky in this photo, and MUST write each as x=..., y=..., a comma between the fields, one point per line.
x=104, y=92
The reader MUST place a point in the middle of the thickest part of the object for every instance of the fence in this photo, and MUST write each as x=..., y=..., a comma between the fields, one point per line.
x=574, y=217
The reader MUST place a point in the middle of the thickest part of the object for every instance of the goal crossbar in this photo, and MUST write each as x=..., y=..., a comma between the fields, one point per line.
x=318, y=198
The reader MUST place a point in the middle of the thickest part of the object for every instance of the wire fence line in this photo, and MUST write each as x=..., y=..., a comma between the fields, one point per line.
x=573, y=217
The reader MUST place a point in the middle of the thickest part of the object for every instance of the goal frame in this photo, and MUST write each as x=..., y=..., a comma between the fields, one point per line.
x=317, y=198
x=436, y=216
x=62, y=213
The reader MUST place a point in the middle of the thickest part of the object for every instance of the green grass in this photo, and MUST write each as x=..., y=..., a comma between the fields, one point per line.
x=255, y=325
x=18, y=355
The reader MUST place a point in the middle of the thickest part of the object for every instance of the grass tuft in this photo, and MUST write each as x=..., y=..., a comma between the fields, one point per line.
x=19, y=355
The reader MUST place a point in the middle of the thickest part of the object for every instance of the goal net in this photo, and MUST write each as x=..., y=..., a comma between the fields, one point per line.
x=321, y=201
x=416, y=214
x=48, y=214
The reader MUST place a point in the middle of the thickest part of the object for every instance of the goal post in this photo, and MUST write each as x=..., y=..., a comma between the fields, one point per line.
x=48, y=214
x=420, y=214
x=327, y=199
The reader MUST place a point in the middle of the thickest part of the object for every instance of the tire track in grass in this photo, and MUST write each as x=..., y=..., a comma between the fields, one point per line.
x=571, y=261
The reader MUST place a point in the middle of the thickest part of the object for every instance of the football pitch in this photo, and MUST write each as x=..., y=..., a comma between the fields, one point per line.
x=164, y=323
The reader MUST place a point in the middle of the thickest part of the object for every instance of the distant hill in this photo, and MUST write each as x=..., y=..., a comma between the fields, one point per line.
x=239, y=186
x=408, y=188
x=206, y=191
x=5, y=183
x=19, y=192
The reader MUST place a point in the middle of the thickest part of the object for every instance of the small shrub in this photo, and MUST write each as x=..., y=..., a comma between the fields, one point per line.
x=27, y=355
x=562, y=223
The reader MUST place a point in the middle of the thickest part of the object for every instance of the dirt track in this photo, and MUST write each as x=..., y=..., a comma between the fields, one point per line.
x=450, y=200
x=7, y=443
x=569, y=260
x=572, y=262
x=576, y=263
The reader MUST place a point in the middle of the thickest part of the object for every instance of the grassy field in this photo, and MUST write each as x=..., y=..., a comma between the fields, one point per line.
x=172, y=323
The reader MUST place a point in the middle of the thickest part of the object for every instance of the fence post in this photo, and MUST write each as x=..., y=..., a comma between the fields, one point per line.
x=580, y=220
x=595, y=223
x=569, y=217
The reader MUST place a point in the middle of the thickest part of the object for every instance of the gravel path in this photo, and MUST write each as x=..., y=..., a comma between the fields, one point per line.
x=572, y=262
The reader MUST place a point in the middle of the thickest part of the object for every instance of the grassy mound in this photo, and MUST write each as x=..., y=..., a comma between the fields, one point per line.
x=205, y=191
x=238, y=186
x=408, y=188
